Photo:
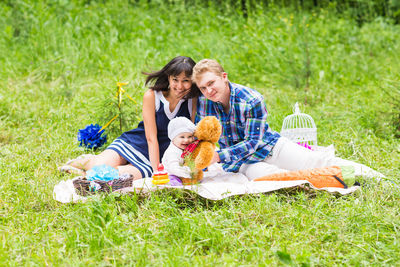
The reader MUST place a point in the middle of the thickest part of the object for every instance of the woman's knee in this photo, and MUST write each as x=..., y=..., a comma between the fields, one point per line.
x=130, y=169
x=109, y=157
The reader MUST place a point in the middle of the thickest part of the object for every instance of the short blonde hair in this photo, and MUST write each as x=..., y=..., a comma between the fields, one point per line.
x=206, y=65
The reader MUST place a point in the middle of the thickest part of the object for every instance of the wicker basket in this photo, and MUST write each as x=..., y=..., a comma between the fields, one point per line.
x=85, y=187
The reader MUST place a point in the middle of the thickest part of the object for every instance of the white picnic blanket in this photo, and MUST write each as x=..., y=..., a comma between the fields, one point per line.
x=216, y=185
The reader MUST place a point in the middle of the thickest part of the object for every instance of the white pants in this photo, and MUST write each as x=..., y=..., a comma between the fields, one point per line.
x=289, y=156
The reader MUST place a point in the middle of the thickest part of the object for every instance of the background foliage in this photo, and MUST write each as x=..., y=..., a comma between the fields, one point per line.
x=60, y=61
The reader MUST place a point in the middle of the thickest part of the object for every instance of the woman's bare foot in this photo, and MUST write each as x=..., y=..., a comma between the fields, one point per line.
x=77, y=165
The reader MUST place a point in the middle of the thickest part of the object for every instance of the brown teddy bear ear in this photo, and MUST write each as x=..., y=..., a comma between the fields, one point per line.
x=208, y=129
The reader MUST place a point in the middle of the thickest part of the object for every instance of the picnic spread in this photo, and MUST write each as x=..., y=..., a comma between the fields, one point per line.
x=216, y=185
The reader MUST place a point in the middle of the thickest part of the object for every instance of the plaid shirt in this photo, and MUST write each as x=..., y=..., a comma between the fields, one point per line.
x=246, y=136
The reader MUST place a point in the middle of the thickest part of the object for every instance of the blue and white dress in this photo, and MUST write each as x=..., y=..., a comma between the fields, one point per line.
x=132, y=145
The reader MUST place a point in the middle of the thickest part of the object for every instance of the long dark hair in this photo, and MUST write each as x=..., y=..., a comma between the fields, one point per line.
x=158, y=80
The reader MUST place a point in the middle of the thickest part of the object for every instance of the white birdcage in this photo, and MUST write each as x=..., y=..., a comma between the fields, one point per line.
x=300, y=128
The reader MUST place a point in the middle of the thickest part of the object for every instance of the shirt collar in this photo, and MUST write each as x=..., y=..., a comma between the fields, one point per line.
x=232, y=96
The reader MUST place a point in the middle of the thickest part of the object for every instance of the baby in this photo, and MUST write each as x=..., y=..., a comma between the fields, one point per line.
x=180, y=131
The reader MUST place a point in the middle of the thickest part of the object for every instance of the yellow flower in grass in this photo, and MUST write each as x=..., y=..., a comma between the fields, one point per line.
x=120, y=84
x=121, y=91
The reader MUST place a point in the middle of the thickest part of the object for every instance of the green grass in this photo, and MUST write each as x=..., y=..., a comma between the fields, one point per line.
x=60, y=61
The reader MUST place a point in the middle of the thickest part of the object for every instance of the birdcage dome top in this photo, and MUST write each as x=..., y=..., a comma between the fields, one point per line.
x=299, y=127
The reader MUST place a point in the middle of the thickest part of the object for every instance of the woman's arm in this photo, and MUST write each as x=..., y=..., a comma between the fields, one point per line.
x=194, y=108
x=149, y=120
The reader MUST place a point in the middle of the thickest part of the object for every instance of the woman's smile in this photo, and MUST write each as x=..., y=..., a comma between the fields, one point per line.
x=179, y=85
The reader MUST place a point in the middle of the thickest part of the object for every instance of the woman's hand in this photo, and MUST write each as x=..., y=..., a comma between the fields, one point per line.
x=194, y=109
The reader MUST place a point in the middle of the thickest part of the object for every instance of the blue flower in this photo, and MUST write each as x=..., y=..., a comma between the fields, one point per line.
x=91, y=138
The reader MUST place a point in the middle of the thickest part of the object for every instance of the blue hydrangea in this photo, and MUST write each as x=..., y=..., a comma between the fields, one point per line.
x=91, y=138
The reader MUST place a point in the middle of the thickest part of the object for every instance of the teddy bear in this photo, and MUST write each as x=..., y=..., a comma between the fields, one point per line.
x=200, y=153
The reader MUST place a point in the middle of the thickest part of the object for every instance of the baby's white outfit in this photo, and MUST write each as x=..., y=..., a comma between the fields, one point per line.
x=173, y=163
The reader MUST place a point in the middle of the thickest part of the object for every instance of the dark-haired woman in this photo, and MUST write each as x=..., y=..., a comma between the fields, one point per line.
x=138, y=152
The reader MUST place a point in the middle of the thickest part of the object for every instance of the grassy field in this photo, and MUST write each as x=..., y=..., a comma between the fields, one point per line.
x=59, y=63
